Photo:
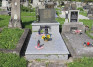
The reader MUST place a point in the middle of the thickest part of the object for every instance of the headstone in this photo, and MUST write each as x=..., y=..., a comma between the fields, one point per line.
x=73, y=23
x=73, y=15
x=46, y=15
x=67, y=7
x=15, y=14
x=5, y=3
x=90, y=12
x=73, y=7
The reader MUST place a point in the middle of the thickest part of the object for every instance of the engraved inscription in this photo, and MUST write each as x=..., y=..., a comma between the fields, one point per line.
x=47, y=14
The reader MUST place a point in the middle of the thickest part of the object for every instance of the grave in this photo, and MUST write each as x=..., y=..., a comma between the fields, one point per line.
x=5, y=4
x=54, y=48
x=15, y=20
x=73, y=7
x=90, y=12
x=24, y=3
x=73, y=22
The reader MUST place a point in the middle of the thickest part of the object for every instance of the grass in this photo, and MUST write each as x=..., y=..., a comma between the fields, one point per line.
x=4, y=20
x=26, y=17
x=84, y=62
x=84, y=13
x=60, y=20
x=87, y=22
x=28, y=14
x=10, y=37
x=11, y=60
x=88, y=33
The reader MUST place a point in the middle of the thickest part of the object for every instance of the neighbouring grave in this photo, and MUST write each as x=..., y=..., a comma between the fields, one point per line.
x=15, y=20
x=90, y=12
x=73, y=7
x=46, y=41
x=5, y=4
x=74, y=23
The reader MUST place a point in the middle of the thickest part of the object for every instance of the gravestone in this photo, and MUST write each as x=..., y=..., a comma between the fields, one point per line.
x=73, y=23
x=55, y=45
x=4, y=3
x=90, y=12
x=73, y=7
x=73, y=15
x=15, y=20
x=67, y=7
x=46, y=15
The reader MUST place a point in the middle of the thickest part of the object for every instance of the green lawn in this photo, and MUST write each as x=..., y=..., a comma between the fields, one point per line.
x=12, y=60
x=28, y=14
x=87, y=22
x=84, y=62
x=84, y=13
x=4, y=20
x=60, y=20
x=10, y=37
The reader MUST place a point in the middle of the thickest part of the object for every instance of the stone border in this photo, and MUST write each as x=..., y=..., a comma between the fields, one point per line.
x=70, y=48
x=20, y=44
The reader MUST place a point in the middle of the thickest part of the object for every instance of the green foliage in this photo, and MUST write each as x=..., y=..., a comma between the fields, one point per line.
x=27, y=9
x=84, y=62
x=84, y=13
x=80, y=8
x=87, y=22
x=28, y=14
x=60, y=20
x=88, y=33
x=4, y=20
x=27, y=21
x=9, y=37
x=11, y=60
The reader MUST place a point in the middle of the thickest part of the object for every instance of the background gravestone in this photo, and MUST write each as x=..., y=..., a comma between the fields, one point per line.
x=90, y=12
x=73, y=16
x=73, y=7
x=15, y=14
x=67, y=7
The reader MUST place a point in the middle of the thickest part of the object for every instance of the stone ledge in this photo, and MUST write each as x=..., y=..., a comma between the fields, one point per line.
x=21, y=42
x=68, y=45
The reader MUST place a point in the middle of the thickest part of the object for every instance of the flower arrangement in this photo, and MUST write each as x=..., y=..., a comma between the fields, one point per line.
x=46, y=37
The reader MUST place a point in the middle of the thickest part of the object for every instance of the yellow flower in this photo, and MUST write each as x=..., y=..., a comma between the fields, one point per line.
x=43, y=37
x=48, y=36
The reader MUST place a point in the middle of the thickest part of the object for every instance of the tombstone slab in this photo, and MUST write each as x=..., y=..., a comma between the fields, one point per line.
x=15, y=14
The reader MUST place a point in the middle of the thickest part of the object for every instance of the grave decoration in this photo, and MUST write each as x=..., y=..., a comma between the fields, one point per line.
x=87, y=44
x=38, y=45
x=46, y=37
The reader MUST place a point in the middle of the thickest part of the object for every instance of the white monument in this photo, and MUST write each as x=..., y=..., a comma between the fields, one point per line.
x=5, y=3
